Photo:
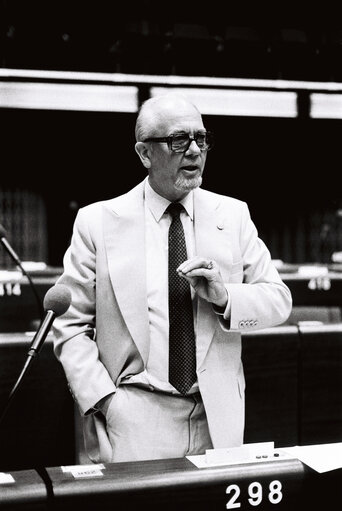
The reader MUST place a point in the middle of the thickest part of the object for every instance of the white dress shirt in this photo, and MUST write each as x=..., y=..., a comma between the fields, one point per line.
x=157, y=224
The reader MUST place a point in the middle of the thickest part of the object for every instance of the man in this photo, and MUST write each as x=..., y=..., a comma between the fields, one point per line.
x=151, y=345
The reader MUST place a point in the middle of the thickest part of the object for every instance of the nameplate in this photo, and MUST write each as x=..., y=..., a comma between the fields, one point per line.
x=243, y=454
x=6, y=478
x=84, y=471
x=248, y=453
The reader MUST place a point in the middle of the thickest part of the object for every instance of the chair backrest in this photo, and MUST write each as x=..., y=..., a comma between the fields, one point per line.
x=321, y=314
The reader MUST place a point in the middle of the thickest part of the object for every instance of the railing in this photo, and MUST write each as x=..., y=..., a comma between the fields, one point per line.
x=117, y=92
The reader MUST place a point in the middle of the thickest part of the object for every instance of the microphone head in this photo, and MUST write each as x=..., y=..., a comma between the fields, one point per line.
x=57, y=299
x=2, y=231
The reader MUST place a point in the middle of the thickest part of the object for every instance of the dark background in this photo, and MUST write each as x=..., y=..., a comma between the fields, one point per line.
x=285, y=169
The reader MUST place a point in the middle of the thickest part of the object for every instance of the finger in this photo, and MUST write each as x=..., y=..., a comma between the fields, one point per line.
x=196, y=263
x=199, y=272
x=210, y=265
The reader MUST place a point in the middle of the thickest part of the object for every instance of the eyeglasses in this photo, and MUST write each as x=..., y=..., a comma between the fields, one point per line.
x=180, y=142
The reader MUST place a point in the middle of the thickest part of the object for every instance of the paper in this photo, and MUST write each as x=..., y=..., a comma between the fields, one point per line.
x=76, y=468
x=322, y=457
x=81, y=474
x=312, y=271
x=240, y=454
x=84, y=471
x=8, y=276
x=248, y=453
x=6, y=478
x=34, y=265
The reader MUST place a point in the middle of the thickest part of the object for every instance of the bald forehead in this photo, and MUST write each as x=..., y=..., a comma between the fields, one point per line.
x=169, y=102
x=163, y=111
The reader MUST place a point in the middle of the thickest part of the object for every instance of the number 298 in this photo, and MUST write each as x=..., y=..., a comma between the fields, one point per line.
x=255, y=493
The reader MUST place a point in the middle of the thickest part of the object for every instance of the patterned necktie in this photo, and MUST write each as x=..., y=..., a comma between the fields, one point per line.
x=182, y=348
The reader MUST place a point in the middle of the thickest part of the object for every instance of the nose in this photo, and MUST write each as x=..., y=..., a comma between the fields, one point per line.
x=193, y=148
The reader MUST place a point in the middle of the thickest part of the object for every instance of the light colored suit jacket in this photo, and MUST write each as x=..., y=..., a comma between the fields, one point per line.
x=104, y=336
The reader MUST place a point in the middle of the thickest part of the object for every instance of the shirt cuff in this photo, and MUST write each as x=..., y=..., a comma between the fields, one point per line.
x=223, y=311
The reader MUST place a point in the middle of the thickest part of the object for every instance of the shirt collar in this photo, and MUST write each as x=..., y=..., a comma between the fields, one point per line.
x=158, y=204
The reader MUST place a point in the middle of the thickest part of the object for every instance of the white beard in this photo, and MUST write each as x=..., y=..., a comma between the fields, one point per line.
x=187, y=183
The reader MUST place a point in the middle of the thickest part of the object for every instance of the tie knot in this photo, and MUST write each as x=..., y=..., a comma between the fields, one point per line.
x=175, y=209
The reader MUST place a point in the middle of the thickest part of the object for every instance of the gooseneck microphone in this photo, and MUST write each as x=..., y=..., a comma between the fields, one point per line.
x=17, y=261
x=57, y=300
x=8, y=246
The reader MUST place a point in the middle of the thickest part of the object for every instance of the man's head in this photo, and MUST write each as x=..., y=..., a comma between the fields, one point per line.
x=172, y=174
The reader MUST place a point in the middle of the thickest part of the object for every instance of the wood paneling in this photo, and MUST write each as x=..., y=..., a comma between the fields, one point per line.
x=38, y=429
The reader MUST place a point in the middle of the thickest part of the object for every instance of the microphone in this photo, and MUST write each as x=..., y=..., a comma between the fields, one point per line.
x=8, y=247
x=17, y=261
x=57, y=300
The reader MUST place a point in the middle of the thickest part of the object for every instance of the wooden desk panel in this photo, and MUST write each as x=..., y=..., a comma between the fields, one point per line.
x=26, y=492
x=173, y=484
x=18, y=306
x=320, y=290
x=320, y=408
x=270, y=359
x=176, y=484
x=38, y=429
x=293, y=394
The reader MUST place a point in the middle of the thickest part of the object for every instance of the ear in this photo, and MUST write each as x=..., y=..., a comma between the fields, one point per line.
x=144, y=153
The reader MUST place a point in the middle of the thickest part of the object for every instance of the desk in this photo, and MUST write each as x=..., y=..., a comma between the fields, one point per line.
x=176, y=484
x=24, y=490
x=293, y=394
x=172, y=485
x=38, y=428
x=19, y=310
x=270, y=360
x=320, y=384
x=323, y=288
x=18, y=305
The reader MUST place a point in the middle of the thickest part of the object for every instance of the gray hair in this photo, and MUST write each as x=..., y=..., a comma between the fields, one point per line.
x=148, y=115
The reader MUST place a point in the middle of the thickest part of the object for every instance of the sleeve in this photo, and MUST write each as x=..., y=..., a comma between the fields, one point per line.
x=261, y=299
x=75, y=331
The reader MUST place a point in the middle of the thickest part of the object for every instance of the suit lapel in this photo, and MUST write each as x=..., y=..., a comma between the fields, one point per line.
x=124, y=231
x=207, y=244
x=124, y=228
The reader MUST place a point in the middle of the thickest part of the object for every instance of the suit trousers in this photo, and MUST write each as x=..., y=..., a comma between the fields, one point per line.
x=144, y=424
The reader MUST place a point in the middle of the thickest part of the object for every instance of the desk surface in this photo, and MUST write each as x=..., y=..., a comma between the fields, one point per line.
x=179, y=485
x=309, y=285
x=172, y=484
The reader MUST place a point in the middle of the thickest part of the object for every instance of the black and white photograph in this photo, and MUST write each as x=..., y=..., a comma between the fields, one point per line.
x=170, y=255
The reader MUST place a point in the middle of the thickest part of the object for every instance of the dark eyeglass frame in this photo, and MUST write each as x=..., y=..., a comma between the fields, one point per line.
x=209, y=140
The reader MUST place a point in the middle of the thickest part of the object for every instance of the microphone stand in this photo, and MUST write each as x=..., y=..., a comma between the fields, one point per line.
x=35, y=347
x=15, y=388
